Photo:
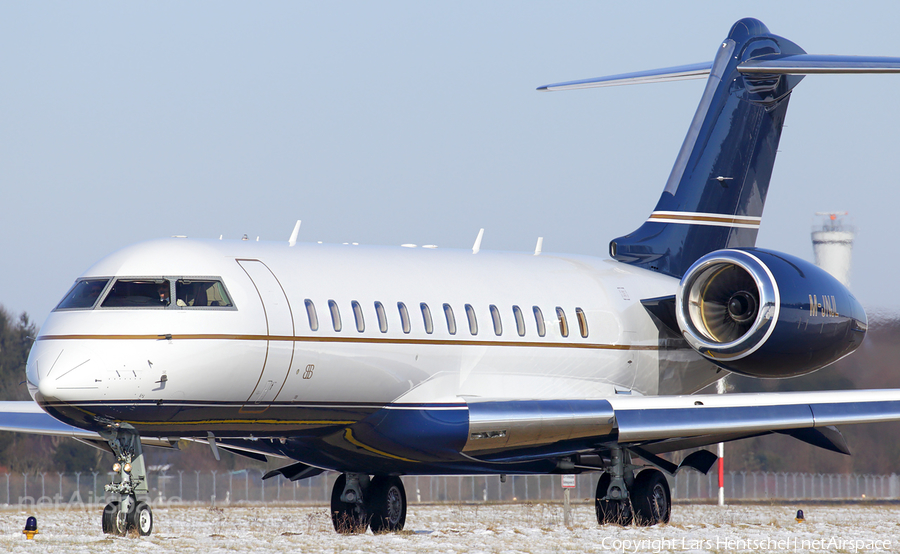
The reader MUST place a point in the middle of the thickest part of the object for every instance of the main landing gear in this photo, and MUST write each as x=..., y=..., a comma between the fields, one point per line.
x=623, y=498
x=127, y=514
x=358, y=502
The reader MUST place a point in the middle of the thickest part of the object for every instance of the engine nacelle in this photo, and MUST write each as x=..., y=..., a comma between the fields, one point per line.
x=767, y=314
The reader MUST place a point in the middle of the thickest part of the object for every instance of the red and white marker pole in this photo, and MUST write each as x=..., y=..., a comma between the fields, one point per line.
x=721, y=474
x=720, y=389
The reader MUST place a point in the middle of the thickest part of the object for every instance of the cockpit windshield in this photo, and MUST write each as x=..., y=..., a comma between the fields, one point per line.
x=201, y=293
x=147, y=292
x=138, y=293
x=83, y=294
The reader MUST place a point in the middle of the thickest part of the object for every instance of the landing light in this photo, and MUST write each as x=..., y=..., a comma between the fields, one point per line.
x=117, y=467
x=127, y=468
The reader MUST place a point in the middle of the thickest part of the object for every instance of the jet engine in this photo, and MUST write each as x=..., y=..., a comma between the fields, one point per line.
x=767, y=314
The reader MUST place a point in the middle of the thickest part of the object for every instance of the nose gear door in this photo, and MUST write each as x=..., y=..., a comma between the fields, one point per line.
x=279, y=335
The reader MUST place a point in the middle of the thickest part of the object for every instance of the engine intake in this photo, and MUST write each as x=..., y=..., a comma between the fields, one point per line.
x=767, y=314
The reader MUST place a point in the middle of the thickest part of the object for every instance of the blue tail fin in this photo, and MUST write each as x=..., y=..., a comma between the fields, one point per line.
x=715, y=195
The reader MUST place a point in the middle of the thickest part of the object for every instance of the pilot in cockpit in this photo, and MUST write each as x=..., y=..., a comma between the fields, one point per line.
x=164, y=294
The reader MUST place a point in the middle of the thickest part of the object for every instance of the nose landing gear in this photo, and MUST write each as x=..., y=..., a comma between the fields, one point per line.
x=128, y=514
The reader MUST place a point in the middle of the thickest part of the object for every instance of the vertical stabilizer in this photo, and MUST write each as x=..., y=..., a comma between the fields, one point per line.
x=715, y=194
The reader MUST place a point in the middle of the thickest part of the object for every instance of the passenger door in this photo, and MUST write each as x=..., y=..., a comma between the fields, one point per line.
x=279, y=335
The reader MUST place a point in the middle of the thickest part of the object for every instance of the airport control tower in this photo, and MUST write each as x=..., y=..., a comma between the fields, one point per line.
x=833, y=245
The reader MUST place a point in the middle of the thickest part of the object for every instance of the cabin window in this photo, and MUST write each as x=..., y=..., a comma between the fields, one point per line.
x=83, y=294
x=335, y=315
x=426, y=317
x=139, y=293
x=563, y=325
x=201, y=293
x=311, y=315
x=495, y=316
x=582, y=322
x=404, y=317
x=451, y=320
x=539, y=321
x=473, y=323
x=520, y=321
x=382, y=319
x=358, y=316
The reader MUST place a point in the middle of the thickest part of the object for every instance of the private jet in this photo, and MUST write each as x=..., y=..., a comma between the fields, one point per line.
x=380, y=362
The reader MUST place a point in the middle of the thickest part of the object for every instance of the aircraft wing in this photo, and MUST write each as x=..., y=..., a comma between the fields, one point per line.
x=528, y=429
x=668, y=423
x=27, y=417
x=519, y=430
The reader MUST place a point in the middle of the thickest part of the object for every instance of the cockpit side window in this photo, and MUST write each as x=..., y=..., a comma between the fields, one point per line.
x=138, y=293
x=201, y=293
x=83, y=294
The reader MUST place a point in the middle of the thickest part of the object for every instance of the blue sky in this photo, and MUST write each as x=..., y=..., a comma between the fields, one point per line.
x=391, y=123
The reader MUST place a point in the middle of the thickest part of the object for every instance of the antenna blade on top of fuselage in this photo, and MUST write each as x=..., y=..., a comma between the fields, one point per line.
x=678, y=73
x=811, y=64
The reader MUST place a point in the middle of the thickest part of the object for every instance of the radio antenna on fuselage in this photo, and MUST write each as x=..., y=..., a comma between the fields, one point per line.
x=477, y=246
x=293, y=240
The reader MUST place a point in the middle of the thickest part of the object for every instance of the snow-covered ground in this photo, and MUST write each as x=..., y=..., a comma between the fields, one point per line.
x=468, y=529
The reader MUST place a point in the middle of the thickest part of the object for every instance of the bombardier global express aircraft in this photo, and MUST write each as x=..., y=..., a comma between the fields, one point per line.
x=379, y=362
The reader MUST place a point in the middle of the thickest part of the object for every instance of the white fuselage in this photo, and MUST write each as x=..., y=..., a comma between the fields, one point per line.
x=263, y=352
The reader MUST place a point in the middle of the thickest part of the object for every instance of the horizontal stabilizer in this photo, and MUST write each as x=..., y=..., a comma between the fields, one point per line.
x=810, y=64
x=772, y=64
x=679, y=73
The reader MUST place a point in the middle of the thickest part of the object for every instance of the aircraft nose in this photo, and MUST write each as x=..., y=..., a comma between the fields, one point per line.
x=54, y=368
x=46, y=390
x=33, y=367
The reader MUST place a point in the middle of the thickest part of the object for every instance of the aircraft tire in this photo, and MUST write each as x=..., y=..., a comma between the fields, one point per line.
x=386, y=501
x=347, y=518
x=651, y=498
x=113, y=521
x=610, y=512
x=141, y=519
